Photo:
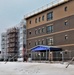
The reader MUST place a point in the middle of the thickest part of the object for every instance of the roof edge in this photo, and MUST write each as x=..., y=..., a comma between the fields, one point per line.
x=38, y=11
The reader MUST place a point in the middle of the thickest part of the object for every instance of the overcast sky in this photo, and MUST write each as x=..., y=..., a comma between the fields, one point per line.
x=12, y=11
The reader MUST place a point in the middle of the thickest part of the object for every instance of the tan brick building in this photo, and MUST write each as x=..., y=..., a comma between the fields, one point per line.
x=53, y=26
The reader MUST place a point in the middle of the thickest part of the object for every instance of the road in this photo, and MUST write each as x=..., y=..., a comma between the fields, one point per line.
x=23, y=68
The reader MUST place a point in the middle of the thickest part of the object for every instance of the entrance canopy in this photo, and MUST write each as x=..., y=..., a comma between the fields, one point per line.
x=44, y=48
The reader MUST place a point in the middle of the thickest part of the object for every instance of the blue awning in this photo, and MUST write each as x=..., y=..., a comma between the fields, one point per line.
x=43, y=48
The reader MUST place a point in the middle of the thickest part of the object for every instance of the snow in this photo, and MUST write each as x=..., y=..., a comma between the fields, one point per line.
x=23, y=68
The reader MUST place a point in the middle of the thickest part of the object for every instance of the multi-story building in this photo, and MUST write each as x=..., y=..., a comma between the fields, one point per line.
x=0, y=56
x=12, y=43
x=4, y=46
x=22, y=39
x=52, y=26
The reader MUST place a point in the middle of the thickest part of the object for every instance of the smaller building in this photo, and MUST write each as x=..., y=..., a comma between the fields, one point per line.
x=4, y=46
x=12, y=43
x=22, y=40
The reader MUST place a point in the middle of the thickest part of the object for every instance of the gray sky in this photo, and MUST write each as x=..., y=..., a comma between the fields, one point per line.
x=12, y=11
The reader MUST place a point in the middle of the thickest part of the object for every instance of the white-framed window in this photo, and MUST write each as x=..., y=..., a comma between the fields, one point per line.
x=66, y=22
x=36, y=43
x=36, y=31
x=66, y=37
x=43, y=41
x=43, y=18
x=49, y=29
x=49, y=41
x=49, y=16
x=43, y=29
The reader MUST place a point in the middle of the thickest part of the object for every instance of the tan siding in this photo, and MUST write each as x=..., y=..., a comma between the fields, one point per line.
x=58, y=13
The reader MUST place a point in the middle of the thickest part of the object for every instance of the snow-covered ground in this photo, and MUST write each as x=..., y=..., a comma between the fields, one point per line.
x=23, y=68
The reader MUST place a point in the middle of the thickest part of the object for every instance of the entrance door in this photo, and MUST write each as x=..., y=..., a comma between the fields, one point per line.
x=51, y=56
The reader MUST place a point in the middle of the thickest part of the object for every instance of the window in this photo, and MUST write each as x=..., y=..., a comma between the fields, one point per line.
x=66, y=22
x=49, y=29
x=24, y=26
x=39, y=19
x=30, y=22
x=3, y=39
x=49, y=41
x=43, y=42
x=39, y=30
x=43, y=18
x=29, y=43
x=30, y=32
x=43, y=54
x=43, y=29
x=36, y=20
x=49, y=16
x=65, y=9
x=3, y=48
x=36, y=43
x=39, y=42
x=66, y=37
x=36, y=31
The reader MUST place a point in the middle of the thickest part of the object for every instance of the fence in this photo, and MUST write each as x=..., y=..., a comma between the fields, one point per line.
x=53, y=55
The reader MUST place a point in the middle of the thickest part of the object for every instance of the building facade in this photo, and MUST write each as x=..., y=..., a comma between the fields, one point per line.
x=12, y=43
x=4, y=46
x=22, y=39
x=53, y=26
